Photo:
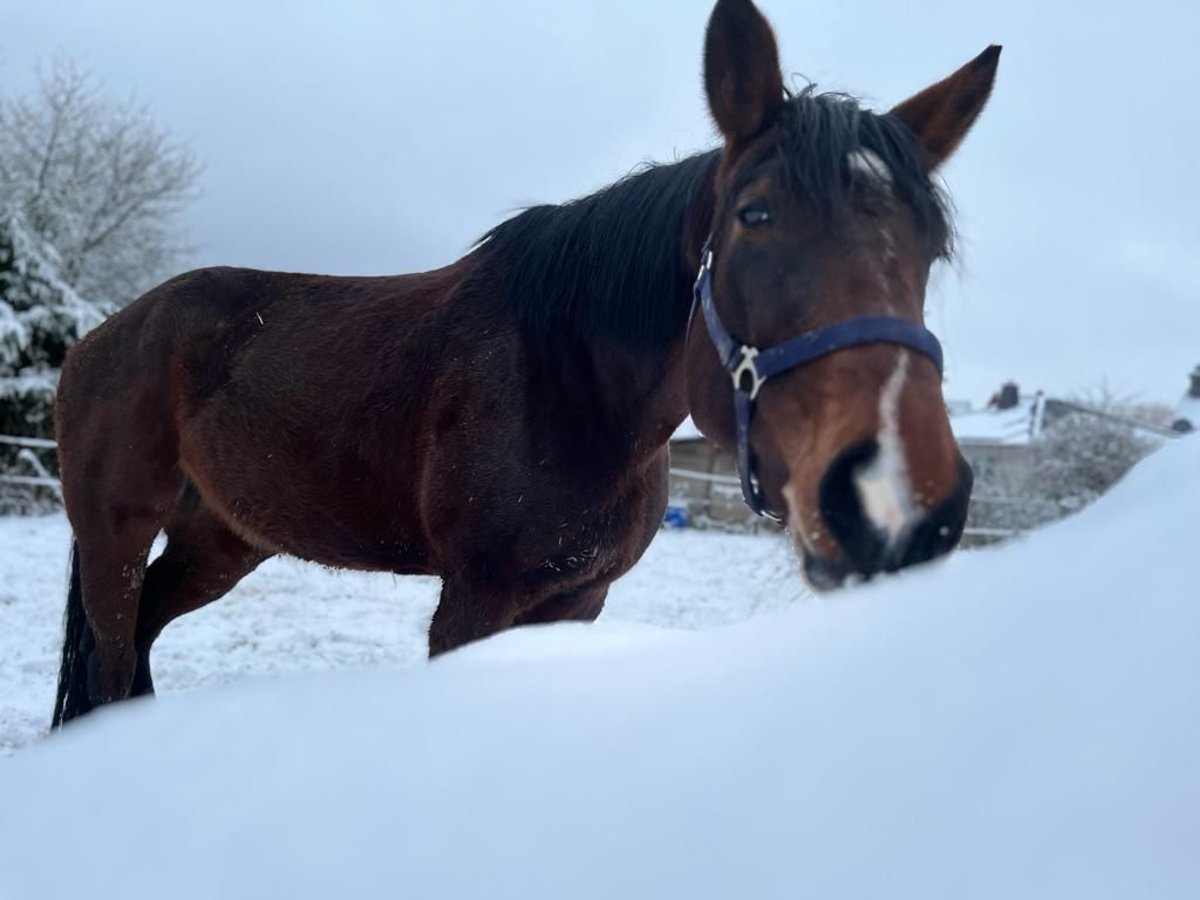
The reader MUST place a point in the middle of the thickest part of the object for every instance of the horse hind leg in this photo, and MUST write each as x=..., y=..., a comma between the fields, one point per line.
x=202, y=562
x=99, y=650
x=117, y=500
x=119, y=457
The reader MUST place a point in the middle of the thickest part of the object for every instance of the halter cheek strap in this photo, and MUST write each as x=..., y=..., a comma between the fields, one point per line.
x=751, y=367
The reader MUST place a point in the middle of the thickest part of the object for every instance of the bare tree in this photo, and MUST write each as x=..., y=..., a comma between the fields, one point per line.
x=1106, y=399
x=98, y=180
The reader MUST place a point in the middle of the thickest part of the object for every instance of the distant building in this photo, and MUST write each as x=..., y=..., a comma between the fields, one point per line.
x=705, y=490
x=997, y=440
x=1187, y=412
x=1003, y=443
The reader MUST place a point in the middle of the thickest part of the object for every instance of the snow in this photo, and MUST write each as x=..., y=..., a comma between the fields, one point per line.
x=1018, y=722
x=1189, y=410
x=290, y=617
x=1014, y=426
x=14, y=337
x=39, y=314
x=28, y=382
x=48, y=296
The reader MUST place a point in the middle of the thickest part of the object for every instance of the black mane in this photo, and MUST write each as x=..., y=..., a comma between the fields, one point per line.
x=608, y=265
x=612, y=264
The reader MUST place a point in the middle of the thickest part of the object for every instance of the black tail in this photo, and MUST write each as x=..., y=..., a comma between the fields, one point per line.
x=78, y=642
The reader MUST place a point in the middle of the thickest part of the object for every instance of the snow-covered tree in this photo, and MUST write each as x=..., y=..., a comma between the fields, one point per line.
x=91, y=192
x=40, y=317
x=99, y=181
x=1082, y=455
x=1084, y=450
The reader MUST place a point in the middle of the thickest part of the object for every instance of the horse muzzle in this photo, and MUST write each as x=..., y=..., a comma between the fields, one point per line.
x=875, y=533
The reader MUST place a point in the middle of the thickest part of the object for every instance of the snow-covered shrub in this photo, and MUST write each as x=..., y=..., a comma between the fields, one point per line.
x=91, y=193
x=41, y=316
x=1081, y=456
x=1078, y=457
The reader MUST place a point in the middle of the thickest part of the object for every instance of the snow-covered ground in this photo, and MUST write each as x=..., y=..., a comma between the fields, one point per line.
x=1018, y=722
x=290, y=617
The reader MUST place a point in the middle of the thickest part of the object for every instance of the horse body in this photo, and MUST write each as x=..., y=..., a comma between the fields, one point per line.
x=502, y=422
x=418, y=431
x=317, y=454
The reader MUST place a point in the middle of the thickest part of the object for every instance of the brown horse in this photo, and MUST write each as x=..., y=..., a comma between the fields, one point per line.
x=502, y=422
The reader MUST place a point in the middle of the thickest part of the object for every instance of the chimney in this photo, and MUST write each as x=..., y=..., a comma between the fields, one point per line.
x=1195, y=391
x=1010, y=395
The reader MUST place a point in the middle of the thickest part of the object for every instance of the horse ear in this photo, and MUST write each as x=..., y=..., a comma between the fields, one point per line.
x=741, y=70
x=940, y=116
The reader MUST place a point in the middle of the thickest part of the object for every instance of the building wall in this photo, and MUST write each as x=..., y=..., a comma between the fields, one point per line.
x=999, y=471
x=998, y=500
x=710, y=503
x=999, y=466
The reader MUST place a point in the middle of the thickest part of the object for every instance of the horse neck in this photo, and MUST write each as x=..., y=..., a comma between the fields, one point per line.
x=643, y=392
x=601, y=290
x=643, y=397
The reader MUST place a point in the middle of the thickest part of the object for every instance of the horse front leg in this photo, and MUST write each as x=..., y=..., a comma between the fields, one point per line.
x=579, y=605
x=467, y=613
x=470, y=610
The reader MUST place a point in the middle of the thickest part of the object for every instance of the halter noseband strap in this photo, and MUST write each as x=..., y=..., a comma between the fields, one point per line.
x=751, y=367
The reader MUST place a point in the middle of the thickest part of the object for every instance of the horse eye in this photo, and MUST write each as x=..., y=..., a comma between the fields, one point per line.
x=754, y=215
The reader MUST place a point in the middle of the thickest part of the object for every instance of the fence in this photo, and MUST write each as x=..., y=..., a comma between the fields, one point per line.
x=27, y=453
x=712, y=500
x=701, y=513
x=699, y=505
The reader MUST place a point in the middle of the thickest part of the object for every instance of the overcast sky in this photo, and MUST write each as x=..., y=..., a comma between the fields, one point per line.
x=373, y=137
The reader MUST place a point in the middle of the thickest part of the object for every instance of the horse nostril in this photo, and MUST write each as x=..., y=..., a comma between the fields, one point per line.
x=870, y=544
x=940, y=529
x=865, y=545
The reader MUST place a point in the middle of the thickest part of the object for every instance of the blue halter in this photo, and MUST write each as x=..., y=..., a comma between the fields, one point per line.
x=751, y=367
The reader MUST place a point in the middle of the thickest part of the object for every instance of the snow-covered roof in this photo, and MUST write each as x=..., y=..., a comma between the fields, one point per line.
x=1016, y=426
x=1188, y=409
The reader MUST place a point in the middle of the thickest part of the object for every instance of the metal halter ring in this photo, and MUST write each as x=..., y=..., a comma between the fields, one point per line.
x=748, y=366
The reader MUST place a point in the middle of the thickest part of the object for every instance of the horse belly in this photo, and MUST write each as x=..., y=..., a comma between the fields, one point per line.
x=320, y=533
x=279, y=500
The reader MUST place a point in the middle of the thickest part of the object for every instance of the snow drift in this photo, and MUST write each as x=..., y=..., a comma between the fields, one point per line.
x=1013, y=723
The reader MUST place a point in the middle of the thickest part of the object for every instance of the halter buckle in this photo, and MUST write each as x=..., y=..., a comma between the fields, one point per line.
x=748, y=366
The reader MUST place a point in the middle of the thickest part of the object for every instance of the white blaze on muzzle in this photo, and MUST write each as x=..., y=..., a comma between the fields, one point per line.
x=883, y=485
